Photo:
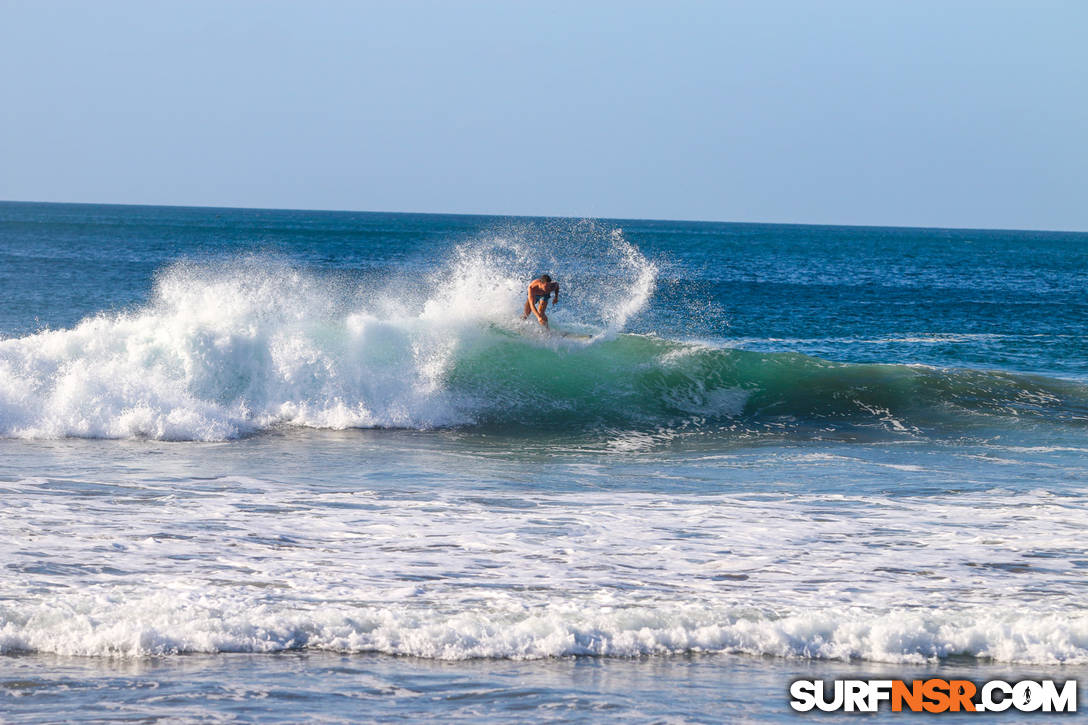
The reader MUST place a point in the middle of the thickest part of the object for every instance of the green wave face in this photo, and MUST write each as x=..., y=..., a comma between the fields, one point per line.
x=646, y=383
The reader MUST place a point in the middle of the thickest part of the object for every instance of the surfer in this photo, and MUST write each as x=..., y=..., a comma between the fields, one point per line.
x=539, y=289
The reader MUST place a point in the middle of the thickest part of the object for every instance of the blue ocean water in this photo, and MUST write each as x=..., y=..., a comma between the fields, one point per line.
x=283, y=465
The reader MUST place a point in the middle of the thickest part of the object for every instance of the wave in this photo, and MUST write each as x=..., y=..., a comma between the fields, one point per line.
x=227, y=350
x=178, y=622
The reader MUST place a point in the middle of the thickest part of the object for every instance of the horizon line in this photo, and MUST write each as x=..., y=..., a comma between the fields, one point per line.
x=547, y=216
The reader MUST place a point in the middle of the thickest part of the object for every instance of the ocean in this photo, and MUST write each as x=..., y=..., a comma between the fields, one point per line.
x=283, y=466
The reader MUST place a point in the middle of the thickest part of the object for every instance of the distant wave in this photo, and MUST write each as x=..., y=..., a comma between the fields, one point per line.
x=228, y=350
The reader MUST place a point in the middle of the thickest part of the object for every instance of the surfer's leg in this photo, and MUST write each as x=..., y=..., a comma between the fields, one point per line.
x=543, y=306
x=528, y=310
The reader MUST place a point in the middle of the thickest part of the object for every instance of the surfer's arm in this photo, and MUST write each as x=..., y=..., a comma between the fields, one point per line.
x=533, y=306
x=555, y=297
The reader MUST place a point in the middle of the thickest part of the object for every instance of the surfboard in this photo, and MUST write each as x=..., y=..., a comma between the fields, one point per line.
x=534, y=330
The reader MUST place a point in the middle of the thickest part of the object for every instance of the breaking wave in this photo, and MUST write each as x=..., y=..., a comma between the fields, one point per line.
x=169, y=623
x=225, y=350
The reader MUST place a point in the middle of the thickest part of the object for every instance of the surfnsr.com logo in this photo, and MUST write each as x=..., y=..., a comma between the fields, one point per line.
x=933, y=695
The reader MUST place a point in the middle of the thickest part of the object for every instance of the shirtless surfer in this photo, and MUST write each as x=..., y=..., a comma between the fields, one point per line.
x=539, y=289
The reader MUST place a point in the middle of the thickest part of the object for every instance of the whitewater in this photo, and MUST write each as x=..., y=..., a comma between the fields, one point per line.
x=271, y=457
x=544, y=576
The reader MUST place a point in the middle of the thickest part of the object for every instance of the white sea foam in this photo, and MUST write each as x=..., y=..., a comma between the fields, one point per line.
x=243, y=565
x=173, y=622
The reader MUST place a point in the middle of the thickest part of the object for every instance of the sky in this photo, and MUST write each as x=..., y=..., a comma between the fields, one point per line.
x=938, y=113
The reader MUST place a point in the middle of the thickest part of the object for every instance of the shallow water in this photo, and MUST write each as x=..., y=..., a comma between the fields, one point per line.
x=291, y=686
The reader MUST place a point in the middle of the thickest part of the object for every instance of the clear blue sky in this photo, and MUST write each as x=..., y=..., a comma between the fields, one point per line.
x=913, y=112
